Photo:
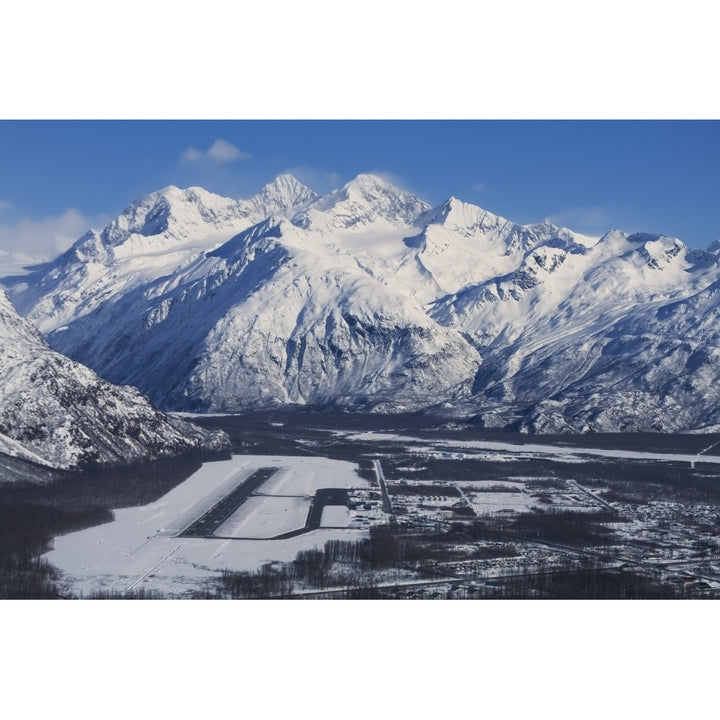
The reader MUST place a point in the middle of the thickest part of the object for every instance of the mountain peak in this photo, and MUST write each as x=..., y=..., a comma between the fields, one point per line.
x=287, y=181
x=167, y=210
x=368, y=180
x=370, y=186
x=168, y=190
x=456, y=214
x=360, y=203
x=5, y=305
x=285, y=196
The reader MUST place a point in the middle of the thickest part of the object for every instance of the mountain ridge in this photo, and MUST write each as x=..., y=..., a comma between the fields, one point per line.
x=369, y=299
x=58, y=413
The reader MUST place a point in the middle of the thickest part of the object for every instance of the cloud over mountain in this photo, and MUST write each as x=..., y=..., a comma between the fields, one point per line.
x=220, y=152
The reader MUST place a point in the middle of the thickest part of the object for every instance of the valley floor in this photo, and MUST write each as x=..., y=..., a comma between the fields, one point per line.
x=336, y=507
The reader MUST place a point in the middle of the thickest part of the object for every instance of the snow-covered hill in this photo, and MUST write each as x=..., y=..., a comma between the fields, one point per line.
x=368, y=298
x=57, y=413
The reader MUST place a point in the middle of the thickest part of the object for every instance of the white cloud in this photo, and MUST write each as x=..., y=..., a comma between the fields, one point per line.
x=45, y=239
x=220, y=152
x=5, y=205
x=192, y=155
x=479, y=187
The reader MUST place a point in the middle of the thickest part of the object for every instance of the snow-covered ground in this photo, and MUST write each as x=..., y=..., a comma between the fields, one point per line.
x=310, y=474
x=524, y=451
x=139, y=548
x=487, y=502
x=336, y=516
x=266, y=517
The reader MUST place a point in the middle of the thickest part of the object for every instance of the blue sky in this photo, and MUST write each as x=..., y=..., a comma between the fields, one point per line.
x=60, y=177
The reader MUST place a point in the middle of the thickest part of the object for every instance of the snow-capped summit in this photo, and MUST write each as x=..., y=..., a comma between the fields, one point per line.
x=366, y=201
x=661, y=250
x=457, y=215
x=284, y=196
x=462, y=245
x=155, y=236
x=714, y=247
x=173, y=216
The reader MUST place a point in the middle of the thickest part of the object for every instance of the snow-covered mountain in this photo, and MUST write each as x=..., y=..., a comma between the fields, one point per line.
x=154, y=237
x=368, y=298
x=57, y=413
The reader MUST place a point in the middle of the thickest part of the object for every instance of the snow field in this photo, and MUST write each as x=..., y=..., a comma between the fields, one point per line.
x=486, y=503
x=263, y=517
x=307, y=475
x=336, y=516
x=557, y=453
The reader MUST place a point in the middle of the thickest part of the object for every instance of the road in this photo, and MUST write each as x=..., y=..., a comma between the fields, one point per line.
x=580, y=488
x=387, y=505
x=153, y=568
